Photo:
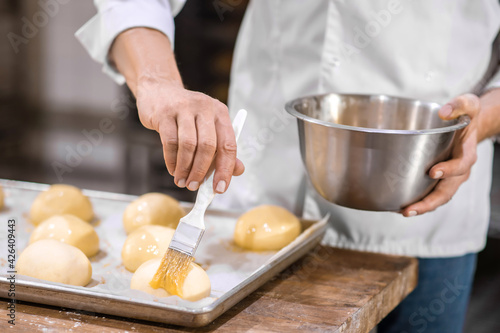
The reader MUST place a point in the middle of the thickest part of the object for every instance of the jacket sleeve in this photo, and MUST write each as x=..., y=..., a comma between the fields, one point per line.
x=494, y=81
x=116, y=16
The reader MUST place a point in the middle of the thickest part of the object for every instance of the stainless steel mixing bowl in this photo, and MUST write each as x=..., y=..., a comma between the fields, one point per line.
x=372, y=152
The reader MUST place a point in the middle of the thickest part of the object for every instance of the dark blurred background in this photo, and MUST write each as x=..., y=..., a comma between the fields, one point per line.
x=51, y=93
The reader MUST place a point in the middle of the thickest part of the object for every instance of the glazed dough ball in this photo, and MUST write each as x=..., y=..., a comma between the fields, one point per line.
x=147, y=242
x=2, y=196
x=68, y=229
x=61, y=199
x=54, y=261
x=152, y=208
x=266, y=228
x=196, y=286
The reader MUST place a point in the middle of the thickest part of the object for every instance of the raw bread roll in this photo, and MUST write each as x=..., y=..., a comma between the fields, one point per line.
x=54, y=261
x=196, y=286
x=2, y=196
x=147, y=242
x=58, y=200
x=266, y=228
x=68, y=229
x=152, y=208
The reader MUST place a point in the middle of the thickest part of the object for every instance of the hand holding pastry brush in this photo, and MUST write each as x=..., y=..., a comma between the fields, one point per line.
x=174, y=266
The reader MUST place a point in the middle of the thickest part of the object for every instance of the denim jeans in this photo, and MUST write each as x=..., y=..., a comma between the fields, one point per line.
x=439, y=302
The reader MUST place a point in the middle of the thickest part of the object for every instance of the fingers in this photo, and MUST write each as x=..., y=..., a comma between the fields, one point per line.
x=187, y=142
x=226, y=154
x=465, y=104
x=193, y=131
x=442, y=193
x=456, y=170
x=460, y=164
x=205, y=151
x=239, y=168
x=168, y=135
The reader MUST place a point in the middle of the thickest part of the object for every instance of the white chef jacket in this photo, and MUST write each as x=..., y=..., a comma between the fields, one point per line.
x=429, y=50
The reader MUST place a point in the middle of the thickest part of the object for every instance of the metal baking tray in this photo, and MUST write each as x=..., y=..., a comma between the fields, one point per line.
x=234, y=273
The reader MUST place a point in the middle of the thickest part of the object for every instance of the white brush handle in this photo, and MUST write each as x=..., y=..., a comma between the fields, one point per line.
x=206, y=193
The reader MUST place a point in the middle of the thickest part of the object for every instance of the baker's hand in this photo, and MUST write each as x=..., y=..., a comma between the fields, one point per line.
x=456, y=170
x=193, y=127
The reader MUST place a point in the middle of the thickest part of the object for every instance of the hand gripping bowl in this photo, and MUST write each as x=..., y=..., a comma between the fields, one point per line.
x=372, y=152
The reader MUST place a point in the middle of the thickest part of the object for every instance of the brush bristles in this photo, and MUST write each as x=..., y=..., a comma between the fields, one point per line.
x=172, y=273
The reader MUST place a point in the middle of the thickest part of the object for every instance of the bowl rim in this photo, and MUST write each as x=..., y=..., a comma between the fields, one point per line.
x=462, y=121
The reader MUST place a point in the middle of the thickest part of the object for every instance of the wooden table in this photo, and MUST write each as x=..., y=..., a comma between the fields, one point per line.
x=330, y=289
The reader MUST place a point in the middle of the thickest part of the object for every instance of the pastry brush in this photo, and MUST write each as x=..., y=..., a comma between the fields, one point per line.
x=191, y=227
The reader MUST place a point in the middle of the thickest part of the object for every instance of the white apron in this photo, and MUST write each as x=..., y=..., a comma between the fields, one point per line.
x=428, y=50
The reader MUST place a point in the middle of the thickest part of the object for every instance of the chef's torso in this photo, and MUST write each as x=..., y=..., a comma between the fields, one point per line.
x=427, y=49
x=430, y=50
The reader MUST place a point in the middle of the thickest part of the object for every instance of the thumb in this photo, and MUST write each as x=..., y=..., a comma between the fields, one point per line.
x=467, y=104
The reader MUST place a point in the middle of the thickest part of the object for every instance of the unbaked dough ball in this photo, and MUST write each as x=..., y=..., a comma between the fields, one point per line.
x=266, y=228
x=196, y=286
x=54, y=261
x=61, y=199
x=2, y=196
x=68, y=229
x=147, y=242
x=152, y=208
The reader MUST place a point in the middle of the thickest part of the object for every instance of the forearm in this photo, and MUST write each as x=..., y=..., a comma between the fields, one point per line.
x=144, y=55
x=192, y=126
x=489, y=116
